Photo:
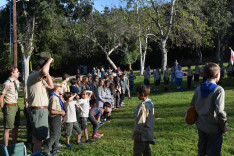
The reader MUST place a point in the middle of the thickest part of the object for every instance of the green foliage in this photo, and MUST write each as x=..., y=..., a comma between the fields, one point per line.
x=191, y=26
x=5, y=57
x=129, y=56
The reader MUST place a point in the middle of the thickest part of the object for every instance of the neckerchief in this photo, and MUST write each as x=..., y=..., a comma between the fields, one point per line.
x=16, y=88
x=61, y=102
x=207, y=87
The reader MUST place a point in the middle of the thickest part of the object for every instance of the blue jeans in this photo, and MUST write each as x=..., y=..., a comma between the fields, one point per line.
x=131, y=85
x=172, y=78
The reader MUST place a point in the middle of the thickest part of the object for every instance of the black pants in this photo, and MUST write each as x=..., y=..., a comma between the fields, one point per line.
x=141, y=147
x=55, y=133
x=189, y=81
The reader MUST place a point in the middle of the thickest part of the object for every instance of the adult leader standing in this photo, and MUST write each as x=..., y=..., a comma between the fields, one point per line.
x=38, y=101
x=11, y=111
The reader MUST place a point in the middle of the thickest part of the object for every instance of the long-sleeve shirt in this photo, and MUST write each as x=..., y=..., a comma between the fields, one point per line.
x=211, y=115
x=108, y=96
x=144, y=121
x=100, y=96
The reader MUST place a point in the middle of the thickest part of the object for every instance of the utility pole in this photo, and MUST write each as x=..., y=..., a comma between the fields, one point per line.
x=14, y=34
x=10, y=32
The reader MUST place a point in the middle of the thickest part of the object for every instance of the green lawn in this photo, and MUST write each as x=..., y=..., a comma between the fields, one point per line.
x=172, y=135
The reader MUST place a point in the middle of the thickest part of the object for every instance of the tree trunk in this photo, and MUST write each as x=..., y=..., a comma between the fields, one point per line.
x=200, y=56
x=142, y=66
x=26, y=60
x=164, y=55
x=218, y=50
x=130, y=66
x=111, y=62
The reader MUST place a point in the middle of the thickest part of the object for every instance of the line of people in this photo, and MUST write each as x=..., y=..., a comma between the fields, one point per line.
x=52, y=107
x=177, y=74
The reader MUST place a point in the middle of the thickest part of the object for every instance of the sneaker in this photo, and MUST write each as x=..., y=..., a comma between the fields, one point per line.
x=79, y=143
x=69, y=145
x=89, y=141
x=99, y=134
x=95, y=136
x=129, y=98
x=101, y=123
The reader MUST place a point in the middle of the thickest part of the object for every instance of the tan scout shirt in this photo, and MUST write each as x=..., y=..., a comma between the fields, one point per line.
x=54, y=104
x=10, y=92
x=144, y=121
x=37, y=94
x=65, y=88
x=166, y=73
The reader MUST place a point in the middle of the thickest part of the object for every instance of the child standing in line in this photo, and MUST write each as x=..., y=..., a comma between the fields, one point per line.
x=229, y=74
x=123, y=87
x=222, y=69
x=126, y=81
x=100, y=94
x=157, y=79
x=208, y=100
x=179, y=78
x=65, y=87
x=189, y=77
x=196, y=75
x=84, y=107
x=143, y=131
x=109, y=99
x=132, y=77
x=71, y=124
x=118, y=91
x=173, y=70
x=56, y=110
x=73, y=87
x=166, y=78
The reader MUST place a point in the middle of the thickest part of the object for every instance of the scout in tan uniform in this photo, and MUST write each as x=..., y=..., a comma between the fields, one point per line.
x=11, y=111
x=38, y=102
x=143, y=131
x=65, y=87
x=166, y=78
x=56, y=110
x=189, y=77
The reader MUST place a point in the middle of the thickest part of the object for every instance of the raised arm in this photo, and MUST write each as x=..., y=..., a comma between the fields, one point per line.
x=45, y=72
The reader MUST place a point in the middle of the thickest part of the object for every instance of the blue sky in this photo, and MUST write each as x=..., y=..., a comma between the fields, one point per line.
x=98, y=4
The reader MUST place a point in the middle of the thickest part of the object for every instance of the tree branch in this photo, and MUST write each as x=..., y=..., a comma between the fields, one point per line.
x=157, y=20
x=171, y=19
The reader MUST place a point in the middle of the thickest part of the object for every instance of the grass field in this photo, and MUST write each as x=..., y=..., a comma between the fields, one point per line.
x=172, y=135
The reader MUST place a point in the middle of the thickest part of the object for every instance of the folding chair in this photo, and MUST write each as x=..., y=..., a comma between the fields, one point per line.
x=18, y=149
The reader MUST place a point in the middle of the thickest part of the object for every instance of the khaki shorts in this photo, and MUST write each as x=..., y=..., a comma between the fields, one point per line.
x=11, y=116
x=72, y=127
x=84, y=123
x=39, y=122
